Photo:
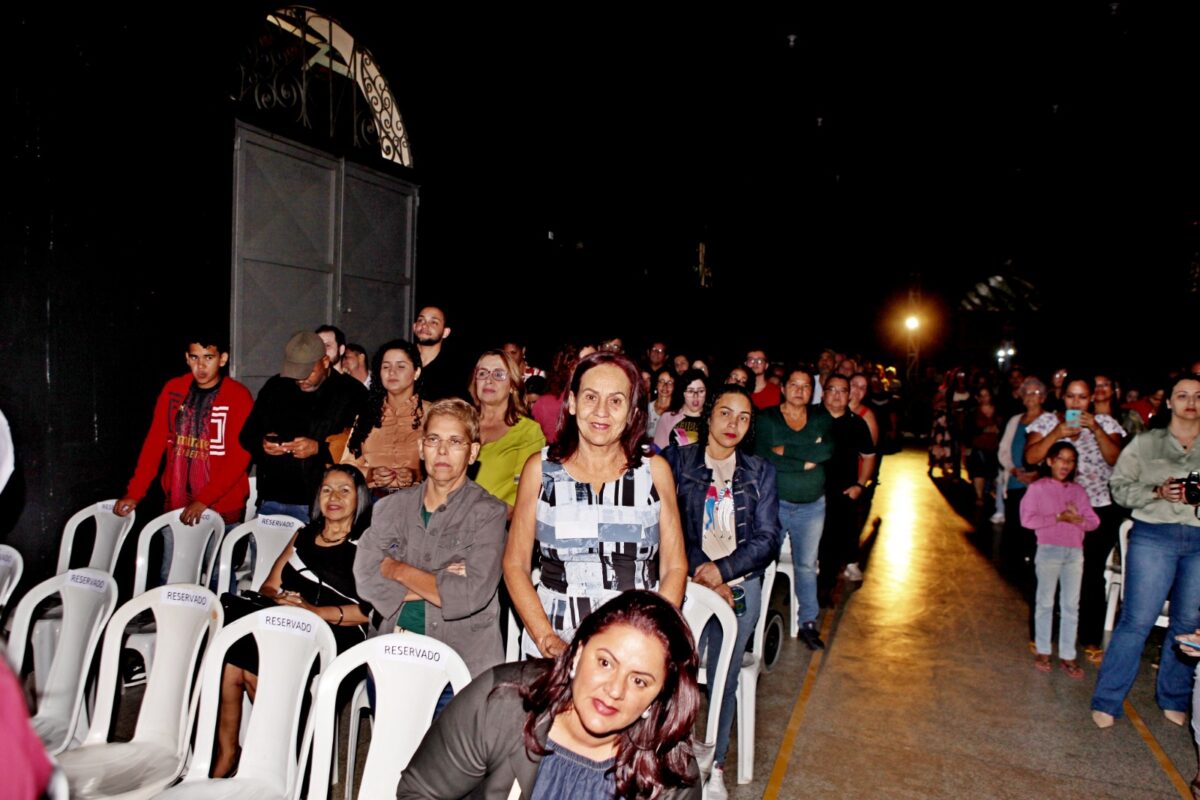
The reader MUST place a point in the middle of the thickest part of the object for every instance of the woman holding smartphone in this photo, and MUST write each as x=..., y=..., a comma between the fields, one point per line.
x=1097, y=438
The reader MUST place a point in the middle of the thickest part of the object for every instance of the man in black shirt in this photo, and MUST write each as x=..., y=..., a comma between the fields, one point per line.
x=847, y=476
x=293, y=415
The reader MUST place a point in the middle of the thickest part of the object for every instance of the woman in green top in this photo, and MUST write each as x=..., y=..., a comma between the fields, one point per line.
x=1162, y=559
x=797, y=438
x=510, y=437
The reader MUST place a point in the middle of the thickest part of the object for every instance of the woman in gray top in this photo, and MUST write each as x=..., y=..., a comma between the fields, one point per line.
x=430, y=562
x=610, y=717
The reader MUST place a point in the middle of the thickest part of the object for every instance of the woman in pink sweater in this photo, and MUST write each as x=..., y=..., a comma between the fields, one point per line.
x=1057, y=510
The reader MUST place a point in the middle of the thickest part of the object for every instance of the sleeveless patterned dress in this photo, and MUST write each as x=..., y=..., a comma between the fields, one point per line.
x=594, y=545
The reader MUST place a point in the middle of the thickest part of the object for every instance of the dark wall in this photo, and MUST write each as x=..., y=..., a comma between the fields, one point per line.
x=115, y=243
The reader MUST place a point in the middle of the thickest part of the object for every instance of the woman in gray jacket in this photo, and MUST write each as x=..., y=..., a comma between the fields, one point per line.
x=610, y=717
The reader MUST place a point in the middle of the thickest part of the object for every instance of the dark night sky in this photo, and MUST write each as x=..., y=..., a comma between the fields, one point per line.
x=1053, y=146
x=1048, y=145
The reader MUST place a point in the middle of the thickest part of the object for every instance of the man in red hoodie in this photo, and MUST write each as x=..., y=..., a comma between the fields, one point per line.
x=196, y=424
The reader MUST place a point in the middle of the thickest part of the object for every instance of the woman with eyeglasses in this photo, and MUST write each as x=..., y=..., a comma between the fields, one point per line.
x=507, y=433
x=430, y=562
x=662, y=389
x=681, y=424
x=600, y=514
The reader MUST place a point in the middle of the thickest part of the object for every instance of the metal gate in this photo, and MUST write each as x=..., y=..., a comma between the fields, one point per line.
x=315, y=240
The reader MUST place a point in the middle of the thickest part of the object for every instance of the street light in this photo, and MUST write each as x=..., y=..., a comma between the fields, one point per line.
x=912, y=323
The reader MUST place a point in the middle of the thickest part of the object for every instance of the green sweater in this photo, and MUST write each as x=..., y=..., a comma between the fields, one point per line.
x=813, y=443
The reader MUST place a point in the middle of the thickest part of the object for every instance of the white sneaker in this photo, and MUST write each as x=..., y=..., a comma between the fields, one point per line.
x=853, y=573
x=715, y=788
x=998, y=518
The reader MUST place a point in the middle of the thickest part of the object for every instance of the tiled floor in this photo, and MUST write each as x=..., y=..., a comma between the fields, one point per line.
x=927, y=689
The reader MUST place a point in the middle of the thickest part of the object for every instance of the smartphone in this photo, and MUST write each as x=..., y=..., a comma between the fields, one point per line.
x=273, y=438
x=1072, y=417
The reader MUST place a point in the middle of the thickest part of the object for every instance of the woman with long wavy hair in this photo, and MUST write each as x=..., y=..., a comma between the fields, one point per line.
x=611, y=716
x=508, y=434
x=385, y=442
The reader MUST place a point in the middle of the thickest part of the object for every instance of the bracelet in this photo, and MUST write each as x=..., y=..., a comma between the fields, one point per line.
x=341, y=615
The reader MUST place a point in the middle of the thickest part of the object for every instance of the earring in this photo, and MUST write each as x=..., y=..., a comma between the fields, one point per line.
x=646, y=714
x=571, y=672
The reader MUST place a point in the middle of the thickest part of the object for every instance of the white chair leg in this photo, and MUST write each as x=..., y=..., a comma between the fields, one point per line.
x=358, y=703
x=746, y=692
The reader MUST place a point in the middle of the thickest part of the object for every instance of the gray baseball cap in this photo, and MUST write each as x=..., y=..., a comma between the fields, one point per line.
x=303, y=350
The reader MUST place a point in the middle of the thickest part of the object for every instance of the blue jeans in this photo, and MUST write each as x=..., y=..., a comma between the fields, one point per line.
x=712, y=638
x=804, y=523
x=1056, y=564
x=1163, y=561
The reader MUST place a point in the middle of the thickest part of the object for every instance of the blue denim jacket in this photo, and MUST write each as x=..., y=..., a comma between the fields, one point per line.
x=756, y=510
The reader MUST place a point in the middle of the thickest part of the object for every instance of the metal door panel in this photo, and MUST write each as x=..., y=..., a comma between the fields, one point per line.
x=278, y=300
x=289, y=208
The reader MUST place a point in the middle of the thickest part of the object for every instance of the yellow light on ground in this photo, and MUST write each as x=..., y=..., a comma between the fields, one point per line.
x=911, y=323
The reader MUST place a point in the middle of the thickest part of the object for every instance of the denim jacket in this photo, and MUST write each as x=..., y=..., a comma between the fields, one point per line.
x=756, y=510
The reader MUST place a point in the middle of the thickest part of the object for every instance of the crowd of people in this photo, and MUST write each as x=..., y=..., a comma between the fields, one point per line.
x=433, y=487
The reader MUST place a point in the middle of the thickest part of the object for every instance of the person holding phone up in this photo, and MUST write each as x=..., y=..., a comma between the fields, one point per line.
x=1097, y=439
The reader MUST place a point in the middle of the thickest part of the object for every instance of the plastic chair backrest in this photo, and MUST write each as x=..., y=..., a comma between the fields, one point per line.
x=11, y=568
x=271, y=534
x=701, y=604
x=111, y=532
x=289, y=641
x=184, y=615
x=88, y=599
x=187, y=552
x=410, y=672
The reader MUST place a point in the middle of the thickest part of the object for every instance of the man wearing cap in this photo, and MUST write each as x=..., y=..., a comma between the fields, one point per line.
x=294, y=414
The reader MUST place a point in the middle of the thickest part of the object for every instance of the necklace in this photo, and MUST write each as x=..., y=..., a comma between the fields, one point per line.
x=338, y=540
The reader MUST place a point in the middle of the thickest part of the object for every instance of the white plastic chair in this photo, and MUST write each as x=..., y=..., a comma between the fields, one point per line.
x=88, y=599
x=752, y=665
x=701, y=604
x=187, y=552
x=1164, y=617
x=410, y=672
x=12, y=566
x=289, y=641
x=154, y=757
x=1114, y=577
x=187, y=564
x=271, y=534
x=786, y=567
x=111, y=532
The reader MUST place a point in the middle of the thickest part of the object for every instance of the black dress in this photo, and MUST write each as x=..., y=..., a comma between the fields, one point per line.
x=324, y=576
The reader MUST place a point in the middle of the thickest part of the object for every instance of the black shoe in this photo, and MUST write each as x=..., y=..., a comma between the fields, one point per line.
x=810, y=637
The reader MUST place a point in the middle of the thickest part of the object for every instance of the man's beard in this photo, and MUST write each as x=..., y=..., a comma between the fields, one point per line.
x=428, y=342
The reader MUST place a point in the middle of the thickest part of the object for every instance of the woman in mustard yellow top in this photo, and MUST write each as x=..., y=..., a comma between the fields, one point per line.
x=509, y=436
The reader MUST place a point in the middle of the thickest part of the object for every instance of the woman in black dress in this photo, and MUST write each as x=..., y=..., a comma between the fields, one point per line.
x=316, y=572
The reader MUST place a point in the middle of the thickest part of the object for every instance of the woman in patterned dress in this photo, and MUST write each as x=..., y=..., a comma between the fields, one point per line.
x=601, y=516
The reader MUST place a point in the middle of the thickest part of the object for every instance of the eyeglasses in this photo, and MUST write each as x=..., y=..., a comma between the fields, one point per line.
x=756, y=361
x=498, y=375
x=666, y=383
x=693, y=391
x=658, y=349
x=433, y=441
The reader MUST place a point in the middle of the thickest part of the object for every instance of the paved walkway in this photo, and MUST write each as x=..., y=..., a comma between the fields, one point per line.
x=927, y=689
